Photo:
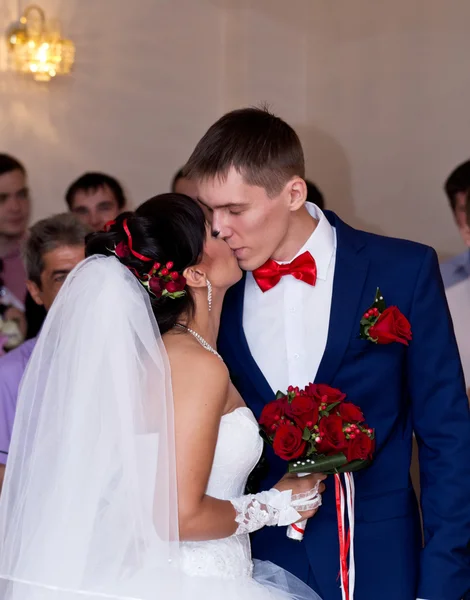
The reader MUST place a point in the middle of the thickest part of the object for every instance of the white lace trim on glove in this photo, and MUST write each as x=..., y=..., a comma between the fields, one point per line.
x=273, y=507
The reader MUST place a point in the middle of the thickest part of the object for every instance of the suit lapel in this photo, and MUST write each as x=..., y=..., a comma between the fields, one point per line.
x=350, y=274
x=238, y=340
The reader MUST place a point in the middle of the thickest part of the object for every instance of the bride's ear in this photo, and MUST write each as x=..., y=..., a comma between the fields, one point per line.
x=195, y=278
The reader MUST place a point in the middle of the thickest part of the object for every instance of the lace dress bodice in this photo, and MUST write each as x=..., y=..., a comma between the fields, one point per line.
x=239, y=447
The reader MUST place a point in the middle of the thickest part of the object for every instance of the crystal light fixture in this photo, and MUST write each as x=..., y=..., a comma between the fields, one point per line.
x=36, y=47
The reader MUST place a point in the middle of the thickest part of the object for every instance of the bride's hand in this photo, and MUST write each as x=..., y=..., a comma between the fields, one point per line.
x=301, y=485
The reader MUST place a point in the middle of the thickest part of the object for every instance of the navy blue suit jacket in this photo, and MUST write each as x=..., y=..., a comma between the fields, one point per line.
x=401, y=390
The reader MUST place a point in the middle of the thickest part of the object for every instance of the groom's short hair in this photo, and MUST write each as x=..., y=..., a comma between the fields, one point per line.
x=263, y=148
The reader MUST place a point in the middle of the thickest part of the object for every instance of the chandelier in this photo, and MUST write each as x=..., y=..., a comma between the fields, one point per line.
x=36, y=47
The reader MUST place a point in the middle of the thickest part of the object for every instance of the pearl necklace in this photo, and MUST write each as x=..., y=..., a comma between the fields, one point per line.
x=201, y=340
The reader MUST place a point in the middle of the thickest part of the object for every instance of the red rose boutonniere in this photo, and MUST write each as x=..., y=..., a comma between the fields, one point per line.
x=383, y=325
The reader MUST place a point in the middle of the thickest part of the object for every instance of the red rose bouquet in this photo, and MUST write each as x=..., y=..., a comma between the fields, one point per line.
x=317, y=431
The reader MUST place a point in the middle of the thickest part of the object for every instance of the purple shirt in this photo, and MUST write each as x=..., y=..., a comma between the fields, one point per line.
x=14, y=274
x=12, y=367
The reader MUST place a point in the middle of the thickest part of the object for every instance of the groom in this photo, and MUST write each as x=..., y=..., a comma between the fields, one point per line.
x=301, y=323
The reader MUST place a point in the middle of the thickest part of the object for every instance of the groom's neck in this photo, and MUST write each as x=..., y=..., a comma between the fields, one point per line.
x=301, y=227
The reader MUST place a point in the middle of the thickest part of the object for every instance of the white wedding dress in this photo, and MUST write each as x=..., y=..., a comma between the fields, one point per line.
x=239, y=447
x=238, y=450
x=89, y=505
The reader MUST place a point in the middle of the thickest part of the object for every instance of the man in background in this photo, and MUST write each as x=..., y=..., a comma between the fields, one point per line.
x=95, y=199
x=456, y=187
x=467, y=216
x=458, y=297
x=181, y=185
x=314, y=195
x=53, y=248
x=14, y=217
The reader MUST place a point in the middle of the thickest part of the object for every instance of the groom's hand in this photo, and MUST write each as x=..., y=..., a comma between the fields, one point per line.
x=302, y=485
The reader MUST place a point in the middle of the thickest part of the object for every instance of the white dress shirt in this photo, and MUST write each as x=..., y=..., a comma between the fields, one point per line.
x=287, y=327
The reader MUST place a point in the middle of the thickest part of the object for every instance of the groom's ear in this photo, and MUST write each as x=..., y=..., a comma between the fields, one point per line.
x=195, y=277
x=297, y=193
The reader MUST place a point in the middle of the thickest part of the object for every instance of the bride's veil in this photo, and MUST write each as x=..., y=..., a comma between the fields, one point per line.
x=89, y=505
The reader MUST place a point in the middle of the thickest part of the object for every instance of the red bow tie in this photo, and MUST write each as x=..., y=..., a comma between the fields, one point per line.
x=303, y=267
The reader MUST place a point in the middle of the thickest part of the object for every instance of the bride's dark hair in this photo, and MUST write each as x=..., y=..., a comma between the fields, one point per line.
x=168, y=227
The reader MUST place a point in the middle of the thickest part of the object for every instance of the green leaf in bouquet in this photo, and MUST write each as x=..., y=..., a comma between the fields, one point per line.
x=280, y=395
x=306, y=434
x=311, y=447
x=318, y=464
x=332, y=406
x=354, y=465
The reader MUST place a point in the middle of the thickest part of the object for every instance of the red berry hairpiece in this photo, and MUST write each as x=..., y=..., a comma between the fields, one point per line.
x=160, y=281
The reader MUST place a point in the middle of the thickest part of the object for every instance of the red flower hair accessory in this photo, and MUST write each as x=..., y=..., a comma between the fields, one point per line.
x=160, y=281
x=108, y=225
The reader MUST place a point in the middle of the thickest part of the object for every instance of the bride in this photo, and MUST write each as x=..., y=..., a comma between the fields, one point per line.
x=131, y=448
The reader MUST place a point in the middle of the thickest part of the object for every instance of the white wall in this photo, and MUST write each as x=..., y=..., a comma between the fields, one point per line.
x=146, y=78
x=377, y=90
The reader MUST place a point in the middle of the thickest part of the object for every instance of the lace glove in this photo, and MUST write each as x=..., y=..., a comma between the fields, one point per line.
x=273, y=507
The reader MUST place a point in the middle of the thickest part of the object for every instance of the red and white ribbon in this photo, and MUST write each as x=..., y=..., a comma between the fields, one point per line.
x=296, y=531
x=344, y=505
x=346, y=540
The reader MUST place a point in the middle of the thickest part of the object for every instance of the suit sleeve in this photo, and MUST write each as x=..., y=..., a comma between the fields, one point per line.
x=441, y=422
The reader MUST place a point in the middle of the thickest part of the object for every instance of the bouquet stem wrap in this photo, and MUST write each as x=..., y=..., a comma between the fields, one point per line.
x=296, y=530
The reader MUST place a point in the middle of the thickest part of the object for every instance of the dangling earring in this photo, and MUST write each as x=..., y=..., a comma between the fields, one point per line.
x=209, y=295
